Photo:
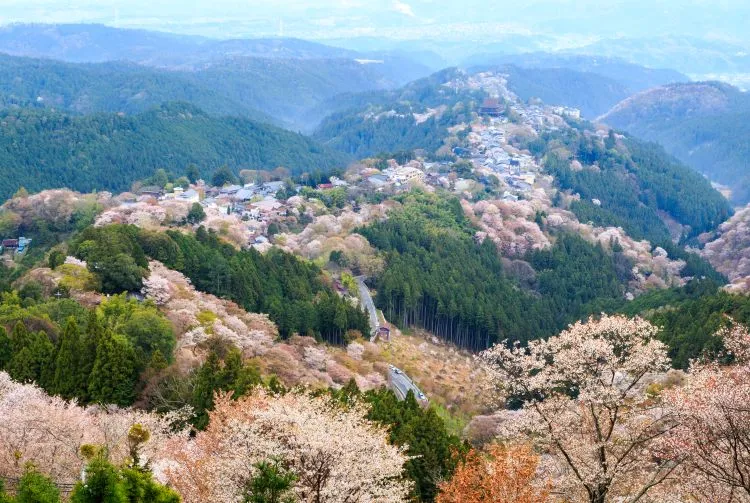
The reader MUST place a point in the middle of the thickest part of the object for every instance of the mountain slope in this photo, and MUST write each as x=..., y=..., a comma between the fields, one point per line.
x=283, y=90
x=107, y=87
x=41, y=148
x=634, y=77
x=281, y=77
x=705, y=125
x=589, y=92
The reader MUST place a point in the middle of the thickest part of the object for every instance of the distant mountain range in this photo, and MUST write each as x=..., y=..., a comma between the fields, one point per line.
x=45, y=149
x=704, y=124
x=263, y=78
x=589, y=83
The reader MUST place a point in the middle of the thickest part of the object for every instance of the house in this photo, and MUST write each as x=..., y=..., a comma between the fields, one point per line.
x=10, y=244
x=23, y=243
x=338, y=182
x=270, y=188
x=383, y=332
x=230, y=190
x=406, y=174
x=268, y=207
x=325, y=186
x=244, y=194
x=188, y=196
x=152, y=191
x=378, y=181
x=491, y=108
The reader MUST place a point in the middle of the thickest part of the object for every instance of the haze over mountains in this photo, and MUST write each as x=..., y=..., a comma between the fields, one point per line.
x=82, y=69
x=395, y=251
x=704, y=124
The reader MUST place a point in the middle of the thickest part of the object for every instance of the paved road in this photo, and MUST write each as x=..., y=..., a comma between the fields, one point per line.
x=401, y=385
x=366, y=299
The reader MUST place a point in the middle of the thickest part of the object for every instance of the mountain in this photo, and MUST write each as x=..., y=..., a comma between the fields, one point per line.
x=43, y=148
x=701, y=58
x=591, y=84
x=95, y=43
x=291, y=90
x=591, y=93
x=705, y=124
x=278, y=90
x=107, y=87
x=630, y=75
x=416, y=116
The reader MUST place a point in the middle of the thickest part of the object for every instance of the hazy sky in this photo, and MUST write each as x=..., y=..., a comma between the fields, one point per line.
x=575, y=21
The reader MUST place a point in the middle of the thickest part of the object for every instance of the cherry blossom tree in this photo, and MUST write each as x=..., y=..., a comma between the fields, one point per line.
x=335, y=454
x=49, y=432
x=584, y=402
x=712, y=434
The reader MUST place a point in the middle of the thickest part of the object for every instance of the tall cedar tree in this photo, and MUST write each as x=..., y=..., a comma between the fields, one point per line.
x=66, y=382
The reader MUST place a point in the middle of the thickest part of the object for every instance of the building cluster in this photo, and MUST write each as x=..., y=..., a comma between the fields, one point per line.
x=19, y=245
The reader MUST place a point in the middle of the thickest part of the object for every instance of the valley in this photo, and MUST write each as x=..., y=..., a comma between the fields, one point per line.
x=273, y=270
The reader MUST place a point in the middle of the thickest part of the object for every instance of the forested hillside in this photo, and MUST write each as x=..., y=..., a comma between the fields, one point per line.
x=437, y=277
x=296, y=92
x=41, y=149
x=627, y=183
x=107, y=87
x=629, y=75
x=371, y=123
x=702, y=124
x=591, y=93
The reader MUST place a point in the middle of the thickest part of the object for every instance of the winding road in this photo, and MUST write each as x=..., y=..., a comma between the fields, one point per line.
x=366, y=299
x=399, y=382
x=401, y=385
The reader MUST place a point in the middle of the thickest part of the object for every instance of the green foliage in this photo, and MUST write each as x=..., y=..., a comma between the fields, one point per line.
x=44, y=149
x=271, y=483
x=214, y=375
x=56, y=258
x=193, y=173
x=69, y=350
x=196, y=214
x=569, y=283
x=704, y=124
x=76, y=353
x=114, y=374
x=33, y=356
x=222, y=176
x=140, y=487
x=6, y=350
x=102, y=485
x=114, y=255
x=35, y=488
x=690, y=316
x=633, y=186
x=289, y=289
x=364, y=125
x=438, y=278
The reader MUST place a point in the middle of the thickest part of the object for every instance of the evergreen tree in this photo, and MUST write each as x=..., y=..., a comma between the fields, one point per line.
x=33, y=356
x=102, y=484
x=196, y=214
x=113, y=377
x=207, y=381
x=193, y=173
x=88, y=346
x=6, y=350
x=66, y=381
x=271, y=484
x=36, y=488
